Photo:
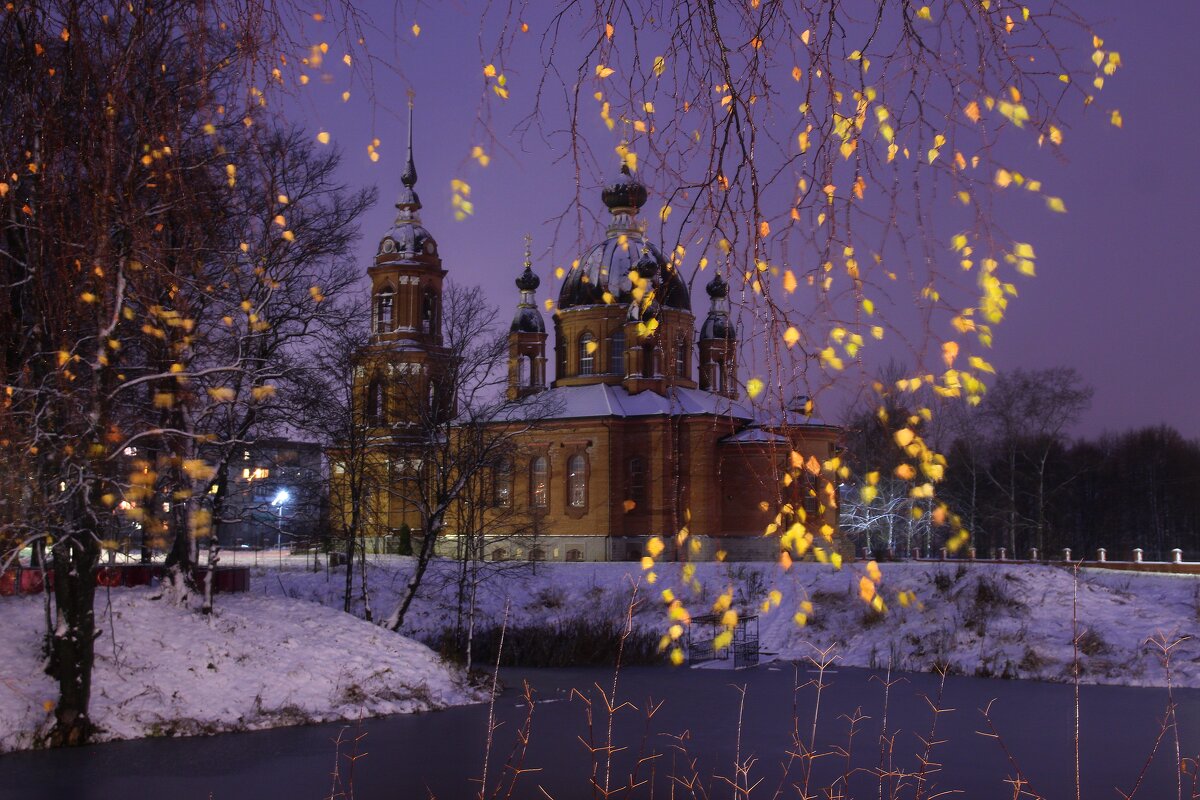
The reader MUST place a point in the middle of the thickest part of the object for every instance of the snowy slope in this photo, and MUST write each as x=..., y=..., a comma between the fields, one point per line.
x=981, y=619
x=258, y=662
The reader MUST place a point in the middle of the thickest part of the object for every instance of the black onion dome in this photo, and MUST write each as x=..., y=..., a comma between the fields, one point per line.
x=624, y=192
x=528, y=281
x=528, y=320
x=716, y=326
x=606, y=268
x=408, y=238
x=647, y=265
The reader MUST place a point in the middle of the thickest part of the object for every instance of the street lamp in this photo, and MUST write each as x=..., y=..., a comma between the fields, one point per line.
x=281, y=497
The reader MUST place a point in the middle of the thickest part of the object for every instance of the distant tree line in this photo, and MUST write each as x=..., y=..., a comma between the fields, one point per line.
x=1019, y=481
x=1119, y=491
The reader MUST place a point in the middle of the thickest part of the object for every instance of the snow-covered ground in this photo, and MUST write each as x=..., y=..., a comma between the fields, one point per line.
x=285, y=653
x=1010, y=621
x=258, y=662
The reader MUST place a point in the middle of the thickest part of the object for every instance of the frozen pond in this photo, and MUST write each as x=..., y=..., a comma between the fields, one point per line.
x=438, y=754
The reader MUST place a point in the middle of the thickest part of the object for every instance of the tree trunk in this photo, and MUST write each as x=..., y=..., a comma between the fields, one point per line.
x=368, y=614
x=210, y=575
x=432, y=528
x=347, y=600
x=471, y=614
x=74, y=637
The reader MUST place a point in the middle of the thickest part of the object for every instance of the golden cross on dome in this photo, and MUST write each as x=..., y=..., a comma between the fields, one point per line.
x=528, y=251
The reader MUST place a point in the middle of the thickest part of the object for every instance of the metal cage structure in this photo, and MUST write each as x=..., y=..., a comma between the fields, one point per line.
x=702, y=637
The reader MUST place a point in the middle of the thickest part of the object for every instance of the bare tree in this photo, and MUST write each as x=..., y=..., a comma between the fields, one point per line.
x=456, y=426
x=1025, y=417
x=158, y=280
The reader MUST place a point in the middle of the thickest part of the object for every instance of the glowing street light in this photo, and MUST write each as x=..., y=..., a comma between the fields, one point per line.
x=281, y=497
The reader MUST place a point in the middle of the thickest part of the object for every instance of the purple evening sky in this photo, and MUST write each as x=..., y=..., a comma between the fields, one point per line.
x=1117, y=295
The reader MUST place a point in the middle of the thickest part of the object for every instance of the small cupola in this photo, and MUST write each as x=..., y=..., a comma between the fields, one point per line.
x=527, y=336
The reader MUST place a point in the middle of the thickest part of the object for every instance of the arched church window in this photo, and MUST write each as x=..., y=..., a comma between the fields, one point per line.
x=538, y=490
x=561, y=367
x=429, y=312
x=383, y=322
x=503, y=488
x=717, y=370
x=637, y=480
x=577, y=481
x=616, y=353
x=376, y=403
x=587, y=354
x=524, y=371
x=681, y=370
x=650, y=365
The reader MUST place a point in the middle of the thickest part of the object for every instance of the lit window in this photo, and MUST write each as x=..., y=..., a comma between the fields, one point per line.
x=166, y=507
x=245, y=455
x=537, y=483
x=502, y=497
x=577, y=481
x=131, y=451
x=213, y=489
x=587, y=354
x=246, y=473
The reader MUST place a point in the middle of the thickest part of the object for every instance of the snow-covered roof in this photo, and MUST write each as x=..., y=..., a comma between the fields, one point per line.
x=756, y=435
x=603, y=400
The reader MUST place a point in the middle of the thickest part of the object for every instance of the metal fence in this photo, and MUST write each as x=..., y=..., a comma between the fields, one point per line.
x=742, y=648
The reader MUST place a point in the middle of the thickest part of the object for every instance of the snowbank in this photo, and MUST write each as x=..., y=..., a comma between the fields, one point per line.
x=258, y=662
x=1012, y=621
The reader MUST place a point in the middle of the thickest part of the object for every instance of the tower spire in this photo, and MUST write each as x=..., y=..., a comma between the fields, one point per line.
x=409, y=203
x=409, y=176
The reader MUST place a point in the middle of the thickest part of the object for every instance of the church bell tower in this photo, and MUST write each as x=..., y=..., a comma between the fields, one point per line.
x=400, y=374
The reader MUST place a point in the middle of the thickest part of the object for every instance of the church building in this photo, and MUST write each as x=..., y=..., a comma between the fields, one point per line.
x=642, y=429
